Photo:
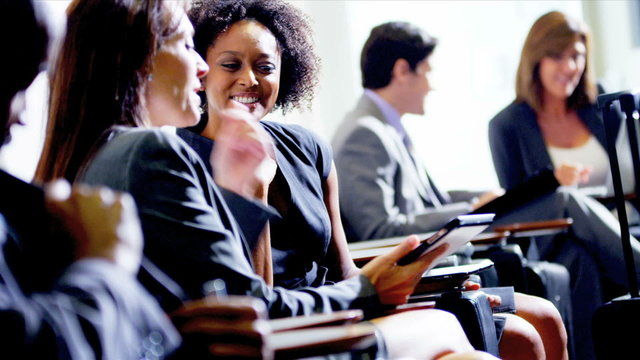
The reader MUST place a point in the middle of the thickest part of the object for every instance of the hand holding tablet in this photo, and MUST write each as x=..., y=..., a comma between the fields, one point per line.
x=456, y=233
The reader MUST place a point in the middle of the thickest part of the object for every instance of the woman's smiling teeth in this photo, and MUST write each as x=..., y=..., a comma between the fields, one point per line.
x=245, y=99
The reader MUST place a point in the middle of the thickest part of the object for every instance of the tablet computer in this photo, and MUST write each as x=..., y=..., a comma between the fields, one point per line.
x=458, y=271
x=450, y=278
x=456, y=233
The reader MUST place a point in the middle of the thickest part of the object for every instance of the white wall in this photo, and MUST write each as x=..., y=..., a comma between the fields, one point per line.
x=617, y=58
x=474, y=71
x=21, y=155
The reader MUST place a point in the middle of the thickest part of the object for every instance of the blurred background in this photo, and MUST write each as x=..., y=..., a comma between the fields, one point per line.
x=473, y=73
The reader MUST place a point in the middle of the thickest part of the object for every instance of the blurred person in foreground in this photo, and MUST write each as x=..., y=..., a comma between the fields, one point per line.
x=60, y=298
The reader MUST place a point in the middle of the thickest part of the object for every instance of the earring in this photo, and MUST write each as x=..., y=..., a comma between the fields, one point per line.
x=150, y=77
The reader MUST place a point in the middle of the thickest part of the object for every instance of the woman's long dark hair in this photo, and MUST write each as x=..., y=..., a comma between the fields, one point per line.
x=99, y=78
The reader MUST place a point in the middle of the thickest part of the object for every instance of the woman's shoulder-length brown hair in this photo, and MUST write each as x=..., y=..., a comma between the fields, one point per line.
x=551, y=34
x=99, y=78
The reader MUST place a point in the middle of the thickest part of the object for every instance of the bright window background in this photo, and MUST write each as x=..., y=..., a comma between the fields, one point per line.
x=473, y=72
x=21, y=155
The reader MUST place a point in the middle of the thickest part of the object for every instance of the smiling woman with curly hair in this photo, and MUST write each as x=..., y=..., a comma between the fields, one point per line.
x=261, y=57
x=289, y=26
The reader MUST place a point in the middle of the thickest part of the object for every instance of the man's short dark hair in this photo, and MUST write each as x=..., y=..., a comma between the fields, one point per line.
x=386, y=44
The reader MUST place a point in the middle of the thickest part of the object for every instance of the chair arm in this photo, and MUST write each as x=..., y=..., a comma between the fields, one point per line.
x=493, y=237
x=315, y=320
x=419, y=305
x=464, y=195
x=527, y=228
x=320, y=341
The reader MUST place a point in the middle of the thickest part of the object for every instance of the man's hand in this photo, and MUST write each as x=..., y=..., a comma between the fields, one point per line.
x=395, y=283
x=104, y=223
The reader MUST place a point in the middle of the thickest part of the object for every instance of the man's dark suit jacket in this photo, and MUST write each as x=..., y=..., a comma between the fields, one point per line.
x=90, y=309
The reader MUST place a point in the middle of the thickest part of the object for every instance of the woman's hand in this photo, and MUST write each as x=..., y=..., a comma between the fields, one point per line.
x=243, y=158
x=228, y=327
x=572, y=174
x=104, y=223
x=394, y=283
x=494, y=300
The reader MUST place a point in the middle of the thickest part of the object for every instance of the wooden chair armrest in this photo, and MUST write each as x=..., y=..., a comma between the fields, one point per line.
x=493, y=237
x=421, y=305
x=315, y=320
x=557, y=224
x=363, y=252
x=319, y=341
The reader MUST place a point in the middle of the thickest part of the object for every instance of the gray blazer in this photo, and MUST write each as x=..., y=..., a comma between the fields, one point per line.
x=383, y=191
x=190, y=230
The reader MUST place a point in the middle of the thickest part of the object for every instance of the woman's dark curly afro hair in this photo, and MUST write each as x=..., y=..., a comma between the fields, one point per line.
x=299, y=64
